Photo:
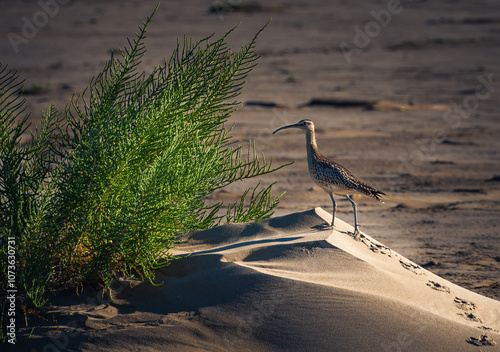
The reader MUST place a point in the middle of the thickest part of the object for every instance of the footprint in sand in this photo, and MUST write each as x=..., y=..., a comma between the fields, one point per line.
x=486, y=328
x=412, y=267
x=464, y=304
x=468, y=307
x=375, y=247
x=483, y=340
x=438, y=287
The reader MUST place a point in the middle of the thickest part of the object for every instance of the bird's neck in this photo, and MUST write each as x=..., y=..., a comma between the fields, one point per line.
x=312, y=147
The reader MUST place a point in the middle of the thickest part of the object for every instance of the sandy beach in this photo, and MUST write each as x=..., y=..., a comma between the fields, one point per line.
x=404, y=94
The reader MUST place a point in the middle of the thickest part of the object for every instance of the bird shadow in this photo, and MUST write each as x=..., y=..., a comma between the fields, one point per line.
x=327, y=226
x=323, y=227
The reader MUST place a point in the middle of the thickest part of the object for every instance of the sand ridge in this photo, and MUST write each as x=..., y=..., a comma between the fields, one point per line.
x=351, y=275
x=286, y=283
x=327, y=257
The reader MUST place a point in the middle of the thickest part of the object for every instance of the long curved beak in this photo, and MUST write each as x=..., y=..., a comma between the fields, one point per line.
x=284, y=127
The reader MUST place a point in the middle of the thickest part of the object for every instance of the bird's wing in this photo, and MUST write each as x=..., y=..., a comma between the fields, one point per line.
x=343, y=178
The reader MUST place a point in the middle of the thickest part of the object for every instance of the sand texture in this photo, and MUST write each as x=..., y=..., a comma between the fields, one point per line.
x=284, y=284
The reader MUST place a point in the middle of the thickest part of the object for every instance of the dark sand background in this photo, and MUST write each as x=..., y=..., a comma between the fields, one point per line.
x=414, y=112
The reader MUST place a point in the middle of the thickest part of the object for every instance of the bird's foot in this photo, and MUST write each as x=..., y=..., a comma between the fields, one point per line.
x=357, y=235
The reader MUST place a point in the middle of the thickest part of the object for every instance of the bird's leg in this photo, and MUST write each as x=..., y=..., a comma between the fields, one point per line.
x=334, y=209
x=356, y=231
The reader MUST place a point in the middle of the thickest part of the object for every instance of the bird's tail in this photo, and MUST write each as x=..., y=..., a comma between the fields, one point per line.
x=378, y=195
x=371, y=192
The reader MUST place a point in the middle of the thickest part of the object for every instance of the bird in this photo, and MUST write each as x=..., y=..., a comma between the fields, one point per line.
x=332, y=177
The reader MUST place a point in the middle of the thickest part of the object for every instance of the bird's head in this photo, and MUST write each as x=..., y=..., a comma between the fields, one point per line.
x=305, y=125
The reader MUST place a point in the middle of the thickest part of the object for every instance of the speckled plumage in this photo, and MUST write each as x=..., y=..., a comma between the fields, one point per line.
x=332, y=177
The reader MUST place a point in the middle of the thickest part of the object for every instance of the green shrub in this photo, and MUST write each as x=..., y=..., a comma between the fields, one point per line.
x=109, y=185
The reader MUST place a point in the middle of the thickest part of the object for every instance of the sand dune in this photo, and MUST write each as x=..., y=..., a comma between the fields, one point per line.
x=349, y=294
x=286, y=284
